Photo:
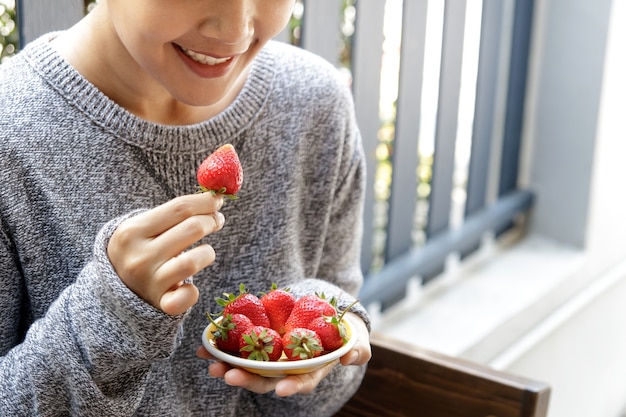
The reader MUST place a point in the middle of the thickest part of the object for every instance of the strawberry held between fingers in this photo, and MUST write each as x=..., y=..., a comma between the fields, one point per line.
x=221, y=172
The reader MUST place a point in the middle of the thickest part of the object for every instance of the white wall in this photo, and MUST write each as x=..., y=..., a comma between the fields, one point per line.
x=565, y=82
x=580, y=348
x=580, y=351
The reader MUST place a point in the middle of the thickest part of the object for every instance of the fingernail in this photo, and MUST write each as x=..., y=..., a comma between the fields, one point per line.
x=219, y=217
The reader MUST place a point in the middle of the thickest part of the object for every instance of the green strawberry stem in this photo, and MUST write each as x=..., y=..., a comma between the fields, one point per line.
x=228, y=297
x=221, y=191
x=346, y=310
x=216, y=324
x=338, y=322
x=259, y=345
x=272, y=288
x=222, y=331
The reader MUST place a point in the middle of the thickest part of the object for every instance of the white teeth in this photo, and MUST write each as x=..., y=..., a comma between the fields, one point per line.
x=204, y=59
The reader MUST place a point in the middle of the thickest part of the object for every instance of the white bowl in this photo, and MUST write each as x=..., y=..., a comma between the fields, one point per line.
x=283, y=366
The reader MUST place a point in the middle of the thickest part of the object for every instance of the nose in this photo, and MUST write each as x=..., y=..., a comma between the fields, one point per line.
x=229, y=21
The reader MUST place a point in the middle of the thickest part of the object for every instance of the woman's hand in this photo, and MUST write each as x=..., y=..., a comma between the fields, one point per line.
x=150, y=252
x=360, y=354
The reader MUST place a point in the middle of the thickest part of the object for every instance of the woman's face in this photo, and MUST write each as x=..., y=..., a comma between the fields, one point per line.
x=198, y=50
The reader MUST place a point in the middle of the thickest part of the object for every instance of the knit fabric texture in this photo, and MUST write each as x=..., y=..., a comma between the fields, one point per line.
x=74, y=340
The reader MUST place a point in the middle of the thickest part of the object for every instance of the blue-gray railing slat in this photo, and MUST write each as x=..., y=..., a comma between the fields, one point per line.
x=322, y=14
x=486, y=115
x=485, y=105
x=516, y=95
x=403, y=199
x=366, y=55
x=284, y=35
x=36, y=17
x=447, y=116
x=389, y=284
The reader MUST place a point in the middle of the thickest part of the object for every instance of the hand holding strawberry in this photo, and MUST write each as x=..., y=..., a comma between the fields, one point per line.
x=154, y=252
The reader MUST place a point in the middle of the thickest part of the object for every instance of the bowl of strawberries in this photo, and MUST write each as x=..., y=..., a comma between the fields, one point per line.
x=275, y=334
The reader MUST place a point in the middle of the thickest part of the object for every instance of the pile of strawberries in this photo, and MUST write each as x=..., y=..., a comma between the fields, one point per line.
x=262, y=328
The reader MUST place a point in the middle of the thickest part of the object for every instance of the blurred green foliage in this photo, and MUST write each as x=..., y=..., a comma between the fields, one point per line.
x=8, y=29
x=9, y=34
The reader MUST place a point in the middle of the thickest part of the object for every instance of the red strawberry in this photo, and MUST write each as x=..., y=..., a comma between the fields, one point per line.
x=221, y=172
x=278, y=304
x=308, y=308
x=246, y=304
x=331, y=330
x=229, y=331
x=300, y=343
x=261, y=344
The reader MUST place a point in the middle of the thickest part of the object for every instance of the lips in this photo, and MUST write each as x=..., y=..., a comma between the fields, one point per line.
x=206, y=66
x=204, y=59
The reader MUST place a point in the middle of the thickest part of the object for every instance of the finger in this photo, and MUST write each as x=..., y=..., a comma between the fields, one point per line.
x=161, y=218
x=202, y=353
x=219, y=369
x=304, y=383
x=360, y=354
x=181, y=236
x=169, y=274
x=179, y=300
x=251, y=382
x=178, y=297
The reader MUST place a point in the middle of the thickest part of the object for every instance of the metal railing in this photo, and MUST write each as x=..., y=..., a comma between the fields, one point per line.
x=493, y=201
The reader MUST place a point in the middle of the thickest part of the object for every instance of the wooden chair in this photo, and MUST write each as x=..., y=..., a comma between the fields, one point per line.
x=404, y=380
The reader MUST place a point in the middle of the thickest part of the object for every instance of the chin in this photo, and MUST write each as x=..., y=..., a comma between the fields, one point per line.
x=209, y=92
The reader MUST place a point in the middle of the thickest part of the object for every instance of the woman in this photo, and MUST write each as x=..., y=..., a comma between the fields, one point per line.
x=104, y=127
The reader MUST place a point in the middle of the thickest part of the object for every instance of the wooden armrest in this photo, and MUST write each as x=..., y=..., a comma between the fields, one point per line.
x=404, y=380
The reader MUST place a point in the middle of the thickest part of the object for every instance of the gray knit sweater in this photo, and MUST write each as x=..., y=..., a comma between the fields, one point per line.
x=74, y=340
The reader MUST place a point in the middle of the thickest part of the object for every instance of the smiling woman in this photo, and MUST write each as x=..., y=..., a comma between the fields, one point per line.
x=119, y=253
x=156, y=58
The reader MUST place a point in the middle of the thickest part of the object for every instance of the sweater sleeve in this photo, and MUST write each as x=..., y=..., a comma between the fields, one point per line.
x=92, y=351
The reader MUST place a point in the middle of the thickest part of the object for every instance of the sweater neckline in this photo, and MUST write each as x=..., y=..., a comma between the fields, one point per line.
x=150, y=136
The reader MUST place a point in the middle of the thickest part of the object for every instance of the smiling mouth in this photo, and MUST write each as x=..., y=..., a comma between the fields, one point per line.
x=204, y=59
